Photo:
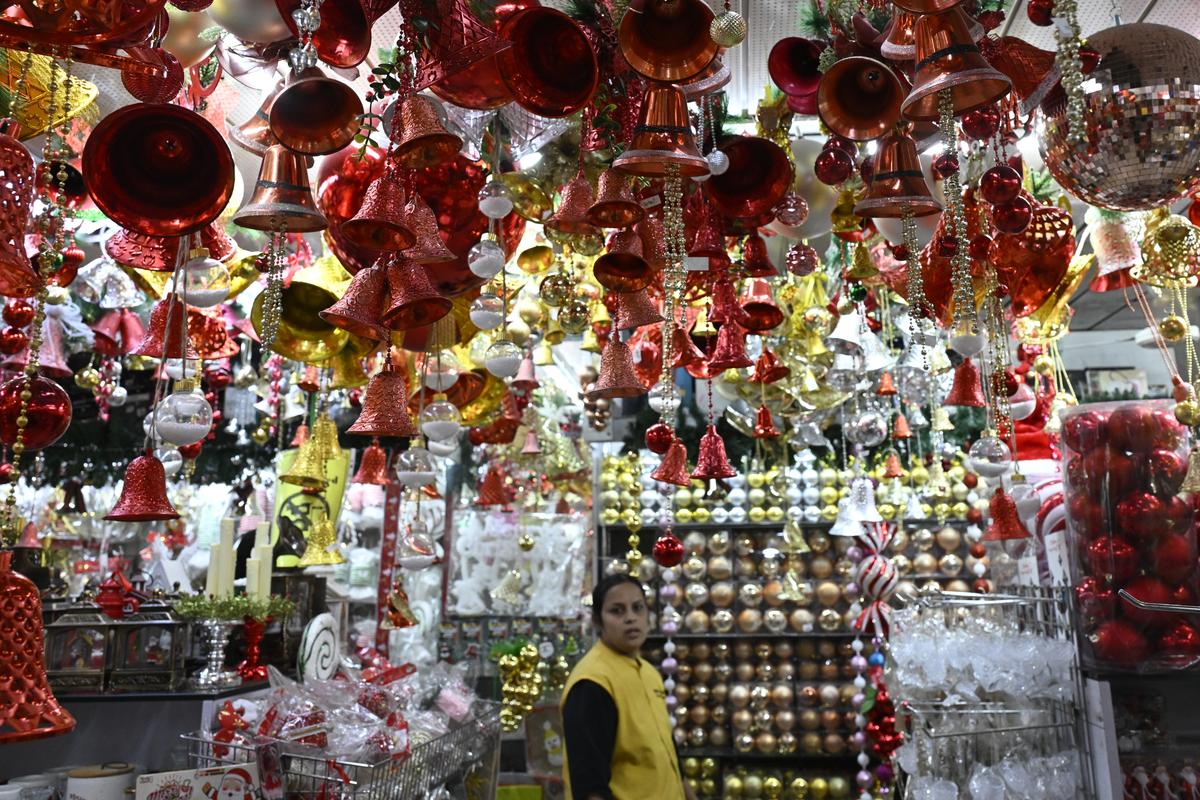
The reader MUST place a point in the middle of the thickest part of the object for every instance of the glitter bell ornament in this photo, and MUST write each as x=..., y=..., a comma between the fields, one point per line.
x=372, y=467
x=429, y=247
x=571, y=216
x=384, y=410
x=673, y=468
x=614, y=206
x=491, y=488
x=636, y=309
x=967, y=389
x=322, y=546
x=764, y=425
x=143, y=493
x=166, y=336
x=413, y=301
x=768, y=368
x=419, y=137
x=380, y=221
x=730, y=351
x=712, y=463
x=1005, y=522
x=618, y=378
x=861, y=502
x=900, y=428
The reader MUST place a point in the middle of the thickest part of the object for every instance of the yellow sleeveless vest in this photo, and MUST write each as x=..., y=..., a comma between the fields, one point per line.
x=644, y=763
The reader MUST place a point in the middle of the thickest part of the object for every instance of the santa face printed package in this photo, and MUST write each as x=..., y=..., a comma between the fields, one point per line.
x=226, y=782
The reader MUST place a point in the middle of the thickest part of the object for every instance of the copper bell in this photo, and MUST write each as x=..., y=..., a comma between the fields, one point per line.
x=673, y=469
x=859, y=98
x=166, y=335
x=667, y=40
x=429, y=247
x=282, y=196
x=617, y=375
x=757, y=179
x=421, y=138
x=967, y=389
x=315, y=115
x=712, y=463
x=635, y=309
x=614, y=206
x=551, y=69
x=768, y=368
x=571, y=216
x=925, y=6
x=491, y=489
x=414, y=302
x=372, y=467
x=622, y=268
x=663, y=135
x=254, y=135
x=892, y=468
x=755, y=260
x=764, y=425
x=385, y=407
x=948, y=58
x=531, y=447
x=711, y=79
x=158, y=169
x=897, y=182
x=793, y=66
x=762, y=314
x=360, y=310
x=300, y=436
x=899, y=39
x=887, y=385
x=380, y=222
x=730, y=351
x=900, y=428
x=144, y=493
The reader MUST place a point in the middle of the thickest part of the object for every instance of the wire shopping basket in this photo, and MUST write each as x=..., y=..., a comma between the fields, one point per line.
x=462, y=764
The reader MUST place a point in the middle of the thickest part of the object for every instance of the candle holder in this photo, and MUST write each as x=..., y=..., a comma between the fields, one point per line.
x=251, y=669
x=214, y=634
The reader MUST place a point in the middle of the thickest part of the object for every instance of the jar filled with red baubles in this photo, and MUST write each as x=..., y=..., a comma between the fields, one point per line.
x=1132, y=526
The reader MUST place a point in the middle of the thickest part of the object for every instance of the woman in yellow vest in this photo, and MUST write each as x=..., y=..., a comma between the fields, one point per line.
x=614, y=709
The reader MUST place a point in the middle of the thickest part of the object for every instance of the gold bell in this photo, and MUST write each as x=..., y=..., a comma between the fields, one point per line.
x=308, y=468
x=941, y=420
x=591, y=343
x=321, y=550
x=325, y=433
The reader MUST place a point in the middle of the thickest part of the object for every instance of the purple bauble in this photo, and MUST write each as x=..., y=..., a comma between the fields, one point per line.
x=672, y=701
x=884, y=773
x=864, y=778
x=852, y=592
x=858, y=740
x=858, y=699
x=670, y=628
x=854, y=553
x=668, y=593
x=858, y=664
x=669, y=665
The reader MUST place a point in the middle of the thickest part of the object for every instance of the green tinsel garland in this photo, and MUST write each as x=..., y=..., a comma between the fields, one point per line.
x=239, y=606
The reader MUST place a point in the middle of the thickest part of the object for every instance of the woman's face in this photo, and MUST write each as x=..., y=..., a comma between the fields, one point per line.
x=624, y=618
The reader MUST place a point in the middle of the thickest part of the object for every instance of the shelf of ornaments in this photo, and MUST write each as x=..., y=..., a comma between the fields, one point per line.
x=753, y=755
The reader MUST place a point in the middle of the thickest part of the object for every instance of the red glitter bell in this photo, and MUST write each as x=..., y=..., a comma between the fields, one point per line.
x=712, y=463
x=891, y=467
x=361, y=309
x=167, y=336
x=491, y=489
x=617, y=375
x=708, y=242
x=380, y=222
x=635, y=309
x=414, y=302
x=28, y=708
x=1006, y=523
x=118, y=332
x=887, y=385
x=300, y=436
x=968, y=387
x=900, y=428
x=754, y=257
x=768, y=368
x=673, y=469
x=725, y=306
x=764, y=425
x=385, y=407
x=686, y=351
x=372, y=467
x=730, y=352
x=144, y=493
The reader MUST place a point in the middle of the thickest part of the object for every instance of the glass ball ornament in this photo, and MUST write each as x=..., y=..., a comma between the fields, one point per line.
x=792, y=209
x=801, y=260
x=487, y=312
x=574, y=317
x=494, y=200
x=184, y=416
x=118, y=396
x=728, y=29
x=557, y=289
x=444, y=449
x=414, y=467
x=989, y=457
x=718, y=162
x=967, y=339
x=485, y=259
x=663, y=399
x=868, y=428
x=206, y=281
x=441, y=372
x=48, y=412
x=171, y=458
x=503, y=358
x=440, y=420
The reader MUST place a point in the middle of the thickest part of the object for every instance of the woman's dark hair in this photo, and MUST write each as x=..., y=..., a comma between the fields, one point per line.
x=600, y=592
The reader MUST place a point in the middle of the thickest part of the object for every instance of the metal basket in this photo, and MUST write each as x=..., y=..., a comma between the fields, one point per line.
x=462, y=763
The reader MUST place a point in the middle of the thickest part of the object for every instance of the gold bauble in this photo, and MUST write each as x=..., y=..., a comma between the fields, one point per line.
x=683, y=516
x=529, y=310
x=1044, y=365
x=919, y=475
x=829, y=513
x=818, y=788
x=728, y=29
x=625, y=480
x=756, y=480
x=756, y=514
x=1172, y=327
x=887, y=511
x=756, y=497
x=733, y=787
x=957, y=472
x=772, y=788
x=828, y=476
x=610, y=516
x=775, y=514
x=829, y=495
x=701, y=515
x=683, y=498
x=574, y=317
x=525, y=542
x=87, y=378
x=261, y=436
x=557, y=289
x=629, y=517
x=1188, y=412
x=634, y=557
x=798, y=789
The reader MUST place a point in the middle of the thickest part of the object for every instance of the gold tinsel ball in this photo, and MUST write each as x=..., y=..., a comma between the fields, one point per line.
x=1188, y=412
x=88, y=378
x=525, y=542
x=728, y=29
x=574, y=317
x=1173, y=328
x=1044, y=365
x=634, y=557
x=557, y=289
x=261, y=435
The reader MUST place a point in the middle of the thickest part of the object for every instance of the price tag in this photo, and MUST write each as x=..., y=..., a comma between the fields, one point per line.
x=696, y=263
x=652, y=201
x=1027, y=569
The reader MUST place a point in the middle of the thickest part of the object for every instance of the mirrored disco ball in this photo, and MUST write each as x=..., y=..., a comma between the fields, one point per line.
x=1142, y=111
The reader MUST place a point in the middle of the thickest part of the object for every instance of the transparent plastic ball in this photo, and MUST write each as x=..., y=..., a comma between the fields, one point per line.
x=174, y=367
x=171, y=459
x=118, y=397
x=494, y=200
x=440, y=420
x=503, y=358
x=206, y=281
x=663, y=398
x=414, y=467
x=868, y=429
x=487, y=312
x=441, y=372
x=184, y=417
x=989, y=457
x=485, y=259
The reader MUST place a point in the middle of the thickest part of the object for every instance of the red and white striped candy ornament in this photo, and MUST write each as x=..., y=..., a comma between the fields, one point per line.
x=877, y=577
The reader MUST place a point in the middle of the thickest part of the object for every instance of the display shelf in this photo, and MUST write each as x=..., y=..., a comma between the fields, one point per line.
x=729, y=752
x=185, y=694
x=763, y=635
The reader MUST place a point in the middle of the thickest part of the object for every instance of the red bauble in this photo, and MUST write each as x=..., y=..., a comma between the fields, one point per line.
x=1115, y=557
x=1181, y=639
x=49, y=412
x=899, y=252
x=1087, y=516
x=1174, y=558
x=947, y=245
x=1013, y=217
x=841, y=143
x=1084, y=431
x=1132, y=428
x=970, y=480
x=1089, y=59
x=974, y=516
x=1168, y=432
x=1179, y=513
x=659, y=437
x=190, y=451
x=1040, y=12
x=1141, y=515
x=982, y=123
x=1182, y=595
x=833, y=166
x=1119, y=642
x=945, y=165
x=668, y=550
x=18, y=313
x=1000, y=184
x=1095, y=599
x=1165, y=470
x=866, y=170
x=980, y=246
x=1148, y=590
x=13, y=341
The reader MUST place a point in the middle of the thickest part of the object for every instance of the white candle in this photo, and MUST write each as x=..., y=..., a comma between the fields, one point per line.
x=266, y=564
x=262, y=534
x=252, y=576
x=212, y=584
x=225, y=552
